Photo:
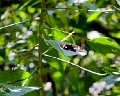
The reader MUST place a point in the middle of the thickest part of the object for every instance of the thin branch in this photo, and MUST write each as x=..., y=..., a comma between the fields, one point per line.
x=16, y=81
x=13, y=24
x=56, y=29
x=29, y=77
x=97, y=10
x=76, y=65
x=70, y=34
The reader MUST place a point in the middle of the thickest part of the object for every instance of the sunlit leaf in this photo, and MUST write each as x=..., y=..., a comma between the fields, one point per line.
x=13, y=76
x=104, y=45
x=93, y=16
x=118, y=2
x=57, y=44
x=16, y=90
x=57, y=77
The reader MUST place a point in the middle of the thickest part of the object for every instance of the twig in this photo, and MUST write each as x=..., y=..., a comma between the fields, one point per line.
x=56, y=29
x=29, y=77
x=13, y=24
x=70, y=34
x=76, y=65
x=97, y=10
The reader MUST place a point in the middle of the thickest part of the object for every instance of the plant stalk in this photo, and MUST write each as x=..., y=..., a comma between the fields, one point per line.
x=40, y=47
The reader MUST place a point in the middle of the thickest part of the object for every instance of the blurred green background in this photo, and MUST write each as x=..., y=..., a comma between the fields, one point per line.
x=96, y=28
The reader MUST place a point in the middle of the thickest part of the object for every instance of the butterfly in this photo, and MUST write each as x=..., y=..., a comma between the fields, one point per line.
x=74, y=48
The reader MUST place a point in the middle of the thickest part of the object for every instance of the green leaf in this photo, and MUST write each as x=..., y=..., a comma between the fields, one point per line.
x=93, y=16
x=57, y=77
x=118, y=2
x=25, y=4
x=104, y=45
x=78, y=30
x=90, y=6
x=73, y=79
x=57, y=44
x=116, y=35
x=54, y=44
x=17, y=90
x=59, y=65
x=13, y=76
x=118, y=9
x=110, y=70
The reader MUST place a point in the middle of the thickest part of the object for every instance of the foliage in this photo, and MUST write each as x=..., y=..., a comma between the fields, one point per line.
x=10, y=90
x=65, y=21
